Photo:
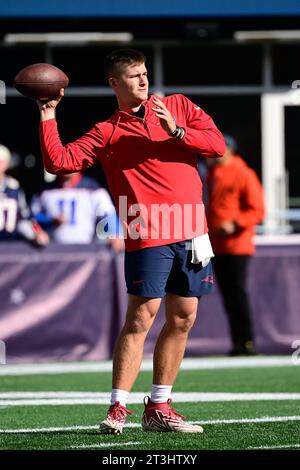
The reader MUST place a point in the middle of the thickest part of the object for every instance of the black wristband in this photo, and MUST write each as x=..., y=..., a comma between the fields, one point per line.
x=181, y=133
x=174, y=133
x=178, y=133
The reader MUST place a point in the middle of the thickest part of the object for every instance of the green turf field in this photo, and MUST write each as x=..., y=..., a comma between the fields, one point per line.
x=240, y=408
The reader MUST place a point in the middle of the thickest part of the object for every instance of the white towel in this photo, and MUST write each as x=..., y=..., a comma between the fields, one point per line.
x=201, y=250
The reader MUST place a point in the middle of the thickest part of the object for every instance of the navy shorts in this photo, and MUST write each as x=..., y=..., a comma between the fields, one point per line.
x=155, y=271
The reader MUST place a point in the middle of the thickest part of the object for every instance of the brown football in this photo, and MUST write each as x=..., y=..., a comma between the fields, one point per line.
x=40, y=81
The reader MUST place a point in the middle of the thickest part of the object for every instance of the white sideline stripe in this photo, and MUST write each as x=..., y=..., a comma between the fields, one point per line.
x=106, y=366
x=51, y=429
x=136, y=397
x=285, y=446
x=266, y=419
x=98, y=398
x=106, y=444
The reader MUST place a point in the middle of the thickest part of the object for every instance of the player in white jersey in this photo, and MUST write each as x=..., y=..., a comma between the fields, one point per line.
x=71, y=209
x=15, y=216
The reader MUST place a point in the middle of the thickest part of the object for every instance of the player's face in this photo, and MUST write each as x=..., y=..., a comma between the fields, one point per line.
x=131, y=85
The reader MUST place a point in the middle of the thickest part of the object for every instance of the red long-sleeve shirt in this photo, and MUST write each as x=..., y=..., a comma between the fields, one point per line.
x=145, y=166
x=235, y=194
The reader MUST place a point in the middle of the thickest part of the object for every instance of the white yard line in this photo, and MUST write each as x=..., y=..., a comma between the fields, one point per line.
x=187, y=364
x=106, y=444
x=50, y=429
x=265, y=419
x=98, y=398
x=54, y=394
x=285, y=446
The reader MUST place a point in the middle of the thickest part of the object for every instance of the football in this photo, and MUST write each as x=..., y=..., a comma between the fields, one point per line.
x=40, y=81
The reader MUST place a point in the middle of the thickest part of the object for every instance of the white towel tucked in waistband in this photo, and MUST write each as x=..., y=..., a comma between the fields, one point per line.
x=201, y=250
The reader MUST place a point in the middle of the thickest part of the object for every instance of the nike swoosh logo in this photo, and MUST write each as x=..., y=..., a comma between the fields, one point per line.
x=209, y=279
x=138, y=282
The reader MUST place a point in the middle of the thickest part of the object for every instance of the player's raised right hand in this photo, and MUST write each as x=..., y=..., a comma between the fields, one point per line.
x=47, y=108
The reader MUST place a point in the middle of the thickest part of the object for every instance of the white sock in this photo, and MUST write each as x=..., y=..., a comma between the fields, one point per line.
x=160, y=393
x=119, y=395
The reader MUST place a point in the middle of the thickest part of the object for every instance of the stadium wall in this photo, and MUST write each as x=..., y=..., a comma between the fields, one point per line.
x=69, y=302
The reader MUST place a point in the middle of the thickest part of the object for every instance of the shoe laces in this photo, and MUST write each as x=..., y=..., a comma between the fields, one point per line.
x=118, y=412
x=173, y=412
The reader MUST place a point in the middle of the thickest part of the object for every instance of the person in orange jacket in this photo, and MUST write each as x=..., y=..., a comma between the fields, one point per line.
x=235, y=207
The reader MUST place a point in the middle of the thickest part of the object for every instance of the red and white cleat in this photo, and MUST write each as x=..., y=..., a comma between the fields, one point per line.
x=162, y=417
x=115, y=419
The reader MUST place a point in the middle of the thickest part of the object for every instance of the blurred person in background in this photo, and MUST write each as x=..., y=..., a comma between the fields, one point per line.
x=235, y=207
x=70, y=208
x=15, y=217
